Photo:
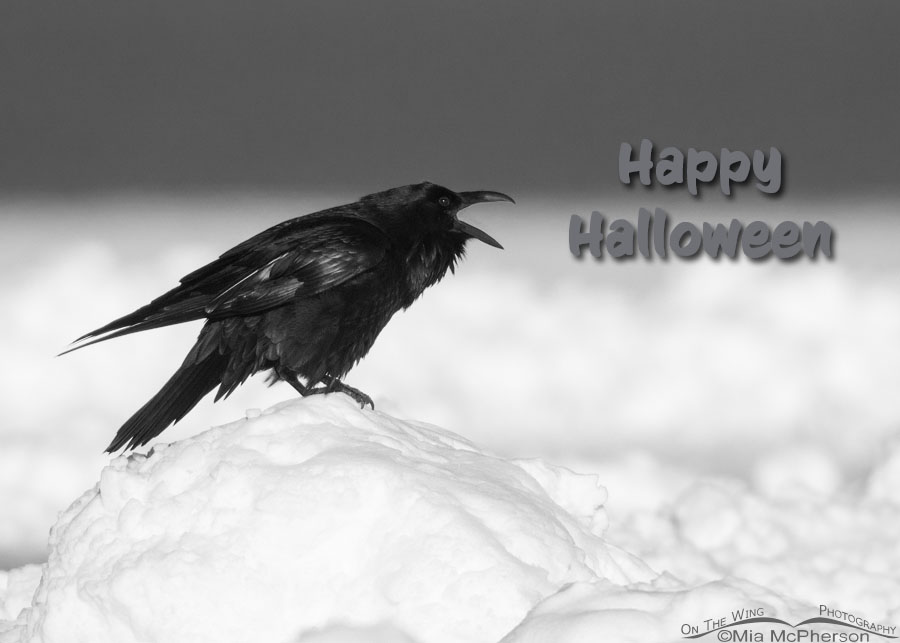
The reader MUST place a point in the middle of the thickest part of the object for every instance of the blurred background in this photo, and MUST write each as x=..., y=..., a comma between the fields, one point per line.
x=139, y=141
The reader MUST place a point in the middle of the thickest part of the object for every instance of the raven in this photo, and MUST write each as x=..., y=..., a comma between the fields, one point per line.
x=304, y=299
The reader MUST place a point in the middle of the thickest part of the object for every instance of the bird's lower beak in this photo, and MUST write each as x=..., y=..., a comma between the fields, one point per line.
x=471, y=231
x=471, y=198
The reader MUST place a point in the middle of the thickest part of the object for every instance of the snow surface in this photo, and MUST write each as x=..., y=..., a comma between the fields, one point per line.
x=318, y=522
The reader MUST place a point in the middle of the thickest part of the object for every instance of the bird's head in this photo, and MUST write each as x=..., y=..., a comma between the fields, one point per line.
x=434, y=209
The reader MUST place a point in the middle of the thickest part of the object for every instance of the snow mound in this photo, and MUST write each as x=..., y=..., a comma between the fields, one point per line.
x=347, y=634
x=316, y=521
x=655, y=612
x=16, y=590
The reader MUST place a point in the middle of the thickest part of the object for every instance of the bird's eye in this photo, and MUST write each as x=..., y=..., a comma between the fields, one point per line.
x=444, y=201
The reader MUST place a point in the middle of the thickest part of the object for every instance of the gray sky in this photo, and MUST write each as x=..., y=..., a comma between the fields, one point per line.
x=520, y=96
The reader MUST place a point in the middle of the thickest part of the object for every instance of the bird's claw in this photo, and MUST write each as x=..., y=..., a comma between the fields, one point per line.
x=358, y=396
x=337, y=386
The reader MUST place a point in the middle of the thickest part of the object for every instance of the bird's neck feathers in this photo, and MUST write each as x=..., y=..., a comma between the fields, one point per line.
x=428, y=261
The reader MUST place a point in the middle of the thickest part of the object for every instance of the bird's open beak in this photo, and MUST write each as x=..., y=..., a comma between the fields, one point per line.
x=471, y=198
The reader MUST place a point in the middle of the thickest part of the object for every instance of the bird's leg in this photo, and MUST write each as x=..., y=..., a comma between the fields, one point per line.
x=293, y=380
x=334, y=384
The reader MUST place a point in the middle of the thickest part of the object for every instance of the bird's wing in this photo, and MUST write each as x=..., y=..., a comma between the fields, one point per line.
x=334, y=255
x=300, y=257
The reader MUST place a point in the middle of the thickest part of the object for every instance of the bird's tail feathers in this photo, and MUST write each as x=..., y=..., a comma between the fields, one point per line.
x=178, y=396
x=153, y=315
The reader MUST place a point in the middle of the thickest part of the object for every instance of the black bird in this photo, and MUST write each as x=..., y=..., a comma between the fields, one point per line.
x=304, y=299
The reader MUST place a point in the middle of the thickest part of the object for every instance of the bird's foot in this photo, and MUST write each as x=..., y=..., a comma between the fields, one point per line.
x=361, y=398
x=337, y=386
x=332, y=385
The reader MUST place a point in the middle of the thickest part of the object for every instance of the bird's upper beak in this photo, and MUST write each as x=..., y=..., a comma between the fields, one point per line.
x=471, y=198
